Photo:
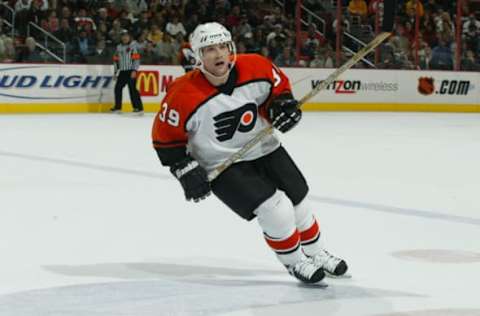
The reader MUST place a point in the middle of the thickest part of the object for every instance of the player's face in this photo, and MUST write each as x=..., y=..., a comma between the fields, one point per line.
x=215, y=59
x=125, y=38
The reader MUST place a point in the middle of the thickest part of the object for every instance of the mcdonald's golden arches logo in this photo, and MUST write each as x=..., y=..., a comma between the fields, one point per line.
x=148, y=83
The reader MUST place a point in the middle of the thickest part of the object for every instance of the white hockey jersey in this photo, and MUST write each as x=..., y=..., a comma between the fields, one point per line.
x=213, y=124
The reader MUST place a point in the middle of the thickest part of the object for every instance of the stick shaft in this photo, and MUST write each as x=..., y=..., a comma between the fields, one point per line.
x=331, y=78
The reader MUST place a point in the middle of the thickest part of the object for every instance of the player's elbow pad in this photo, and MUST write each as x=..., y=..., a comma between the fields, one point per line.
x=171, y=155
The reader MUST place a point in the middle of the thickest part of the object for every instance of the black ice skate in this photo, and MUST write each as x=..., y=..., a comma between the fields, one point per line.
x=306, y=271
x=330, y=264
x=138, y=112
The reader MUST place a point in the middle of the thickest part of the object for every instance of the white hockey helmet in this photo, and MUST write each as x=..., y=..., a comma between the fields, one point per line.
x=210, y=34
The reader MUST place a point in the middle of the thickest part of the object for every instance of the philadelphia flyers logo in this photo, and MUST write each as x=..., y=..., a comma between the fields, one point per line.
x=242, y=119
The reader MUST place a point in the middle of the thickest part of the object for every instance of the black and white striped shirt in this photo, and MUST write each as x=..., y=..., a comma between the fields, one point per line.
x=127, y=57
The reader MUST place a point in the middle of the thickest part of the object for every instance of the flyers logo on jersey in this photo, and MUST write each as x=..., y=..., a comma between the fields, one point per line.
x=242, y=119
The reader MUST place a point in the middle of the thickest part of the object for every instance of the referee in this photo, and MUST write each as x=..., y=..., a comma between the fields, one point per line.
x=126, y=61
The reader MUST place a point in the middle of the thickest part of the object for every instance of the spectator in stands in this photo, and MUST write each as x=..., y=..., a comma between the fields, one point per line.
x=1, y=27
x=330, y=59
x=414, y=7
x=444, y=24
x=102, y=17
x=101, y=55
x=431, y=6
x=241, y=47
x=442, y=57
x=42, y=4
x=9, y=55
x=430, y=36
x=67, y=14
x=274, y=49
x=358, y=8
x=159, y=19
x=155, y=35
x=115, y=32
x=313, y=41
x=469, y=62
x=83, y=44
x=345, y=25
x=141, y=24
x=30, y=52
x=125, y=19
x=165, y=50
x=408, y=31
x=318, y=60
x=64, y=33
x=387, y=60
x=424, y=53
x=82, y=20
x=136, y=6
x=471, y=37
x=286, y=58
x=191, y=23
x=276, y=33
x=265, y=52
x=251, y=22
x=52, y=21
x=374, y=6
x=252, y=46
x=233, y=19
x=35, y=13
x=2, y=49
x=22, y=15
x=142, y=40
x=148, y=55
x=22, y=5
x=243, y=27
x=472, y=21
x=102, y=31
x=112, y=11
x=175, y=27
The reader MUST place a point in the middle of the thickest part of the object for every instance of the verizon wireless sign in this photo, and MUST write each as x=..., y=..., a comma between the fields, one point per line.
x=389, y=86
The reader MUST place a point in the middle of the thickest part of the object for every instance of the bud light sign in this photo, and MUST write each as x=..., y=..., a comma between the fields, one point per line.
x=53, y=82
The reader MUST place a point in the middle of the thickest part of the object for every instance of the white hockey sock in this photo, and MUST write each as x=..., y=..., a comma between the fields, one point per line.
x=309, y=229
x=277, y=220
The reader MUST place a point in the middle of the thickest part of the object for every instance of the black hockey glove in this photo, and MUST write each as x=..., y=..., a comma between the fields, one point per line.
x=193, y=178
x=284, y=113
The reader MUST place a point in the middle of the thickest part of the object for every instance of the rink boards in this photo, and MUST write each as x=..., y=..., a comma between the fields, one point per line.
x=53, y=88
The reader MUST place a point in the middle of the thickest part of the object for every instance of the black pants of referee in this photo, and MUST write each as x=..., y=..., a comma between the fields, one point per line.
x=125, y=78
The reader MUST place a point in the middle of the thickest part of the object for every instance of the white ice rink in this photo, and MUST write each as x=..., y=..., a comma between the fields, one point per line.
x=91, y=224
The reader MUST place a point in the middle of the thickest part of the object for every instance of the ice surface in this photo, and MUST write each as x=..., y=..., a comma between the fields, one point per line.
x=91, y=224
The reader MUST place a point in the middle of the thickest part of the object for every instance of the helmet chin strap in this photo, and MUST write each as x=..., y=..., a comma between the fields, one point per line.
x=221, y=77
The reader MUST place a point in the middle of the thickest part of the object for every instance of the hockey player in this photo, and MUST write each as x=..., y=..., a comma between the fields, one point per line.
x=210, y=113
x=186, y=57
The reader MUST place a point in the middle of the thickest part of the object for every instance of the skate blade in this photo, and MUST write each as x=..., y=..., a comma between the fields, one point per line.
x=319, y=285
x=134, y=114
x=343, y=276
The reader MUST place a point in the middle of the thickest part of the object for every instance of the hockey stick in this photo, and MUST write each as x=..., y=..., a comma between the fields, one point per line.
x=331, y=78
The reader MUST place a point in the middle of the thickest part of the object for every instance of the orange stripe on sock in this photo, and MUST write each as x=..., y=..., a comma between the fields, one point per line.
x=311, y=232
x=284, y=244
